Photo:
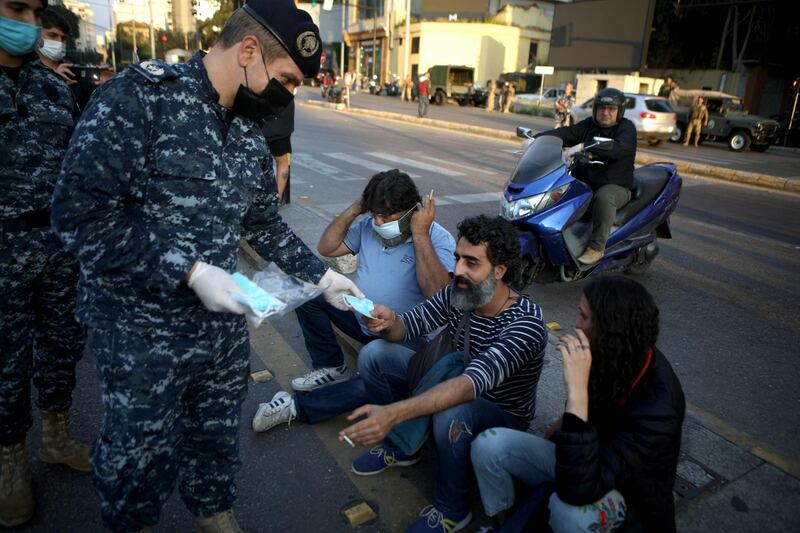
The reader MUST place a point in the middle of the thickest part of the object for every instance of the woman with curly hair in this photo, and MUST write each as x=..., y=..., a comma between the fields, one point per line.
x=612, y=456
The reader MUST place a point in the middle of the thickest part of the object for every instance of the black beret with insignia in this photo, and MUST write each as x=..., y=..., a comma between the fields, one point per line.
x=293, y=28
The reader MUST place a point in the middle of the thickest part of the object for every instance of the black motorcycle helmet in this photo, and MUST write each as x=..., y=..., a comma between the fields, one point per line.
x=609, y=97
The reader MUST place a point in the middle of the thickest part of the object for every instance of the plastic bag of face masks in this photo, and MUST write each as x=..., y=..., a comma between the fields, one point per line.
x=271, y=291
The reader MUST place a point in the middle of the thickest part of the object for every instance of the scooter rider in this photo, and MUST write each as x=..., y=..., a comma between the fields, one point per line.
x=611, y=182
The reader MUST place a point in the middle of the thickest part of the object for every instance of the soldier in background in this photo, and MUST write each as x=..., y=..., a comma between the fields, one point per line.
x=563, y=107
x=492, y=95
x=697, y=121
x=667, y=87
x=155, y=208
x=39, y=336
x=509, y=97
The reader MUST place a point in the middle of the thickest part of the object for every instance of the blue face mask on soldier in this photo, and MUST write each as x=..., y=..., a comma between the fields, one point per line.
x=18, y=38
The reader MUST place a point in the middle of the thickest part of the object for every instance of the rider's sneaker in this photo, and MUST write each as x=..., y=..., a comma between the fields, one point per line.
x=279, y=410
x=380, y=458
x=432, y=520
x=321, y=377
x=591, y=256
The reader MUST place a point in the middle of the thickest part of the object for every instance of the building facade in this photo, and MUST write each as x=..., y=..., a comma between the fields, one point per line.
x=87, y=40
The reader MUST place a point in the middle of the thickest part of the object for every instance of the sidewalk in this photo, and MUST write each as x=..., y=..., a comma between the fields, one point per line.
x=721, y=486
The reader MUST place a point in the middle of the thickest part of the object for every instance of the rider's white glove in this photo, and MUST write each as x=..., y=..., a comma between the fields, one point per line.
x=214, y=287
x=337, y=286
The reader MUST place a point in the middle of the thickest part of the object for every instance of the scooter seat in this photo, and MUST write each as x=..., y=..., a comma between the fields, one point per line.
x=648, y=183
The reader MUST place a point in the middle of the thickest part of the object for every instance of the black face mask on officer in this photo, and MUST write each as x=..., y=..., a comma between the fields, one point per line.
x=270, y=102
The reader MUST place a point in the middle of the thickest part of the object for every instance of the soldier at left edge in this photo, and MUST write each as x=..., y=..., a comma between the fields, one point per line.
x=40, y=339
x=155, y=209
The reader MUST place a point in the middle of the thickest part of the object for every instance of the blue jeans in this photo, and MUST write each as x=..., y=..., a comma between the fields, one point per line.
x=331, y=401
x=500, y=455
x=315, y=318
x=384, y=369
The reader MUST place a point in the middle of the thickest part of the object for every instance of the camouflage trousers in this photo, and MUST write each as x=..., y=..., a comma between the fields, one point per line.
x=172, y=409
x=40, y=337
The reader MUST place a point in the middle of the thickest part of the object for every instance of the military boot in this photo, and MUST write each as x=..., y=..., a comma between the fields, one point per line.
x=57, y=445
x=223, y=522
x=16, y=489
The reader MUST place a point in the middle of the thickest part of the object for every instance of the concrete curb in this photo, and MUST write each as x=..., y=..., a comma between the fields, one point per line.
x=706, y=171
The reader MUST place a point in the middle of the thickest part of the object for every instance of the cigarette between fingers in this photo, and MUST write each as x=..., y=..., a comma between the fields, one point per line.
x=348, y=441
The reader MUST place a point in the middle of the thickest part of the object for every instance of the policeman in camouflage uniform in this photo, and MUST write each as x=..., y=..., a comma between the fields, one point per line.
x=697, y=121
x=39, y=335
x=167, y=169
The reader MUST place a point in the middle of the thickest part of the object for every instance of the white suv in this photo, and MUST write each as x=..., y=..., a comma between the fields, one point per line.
x=652, y=115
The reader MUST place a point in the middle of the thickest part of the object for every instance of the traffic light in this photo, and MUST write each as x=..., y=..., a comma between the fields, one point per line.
x=313, y=4
x=164, y=39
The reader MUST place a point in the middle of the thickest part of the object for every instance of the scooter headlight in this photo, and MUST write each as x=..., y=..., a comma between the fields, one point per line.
x=525, y=207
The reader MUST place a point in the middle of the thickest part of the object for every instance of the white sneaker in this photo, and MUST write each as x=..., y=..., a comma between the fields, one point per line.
x=321, y=377
x=279, y=410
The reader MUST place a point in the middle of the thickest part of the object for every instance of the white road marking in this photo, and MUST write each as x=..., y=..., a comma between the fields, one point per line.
x=324, y=169
x=354, y=160
x=471, y=168
x=416, y=164
x=474, y=198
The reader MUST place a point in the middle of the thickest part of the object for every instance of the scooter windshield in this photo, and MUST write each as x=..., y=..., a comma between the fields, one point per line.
x=541, y=158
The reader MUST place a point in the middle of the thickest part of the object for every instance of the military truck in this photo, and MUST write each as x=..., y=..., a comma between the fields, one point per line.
x=728, y=121
x=450, y=82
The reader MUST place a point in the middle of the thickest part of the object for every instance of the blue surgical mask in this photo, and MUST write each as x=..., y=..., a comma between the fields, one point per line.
x=18, y=38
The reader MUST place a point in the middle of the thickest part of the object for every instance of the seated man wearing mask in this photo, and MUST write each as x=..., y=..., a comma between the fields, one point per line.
x=612, y=181
x=403, y=258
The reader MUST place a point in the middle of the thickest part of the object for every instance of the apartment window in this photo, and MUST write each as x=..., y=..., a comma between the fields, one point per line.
x=532, y=52
x=415, y=45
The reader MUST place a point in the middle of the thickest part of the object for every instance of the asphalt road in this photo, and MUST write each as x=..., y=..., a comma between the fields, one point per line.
x=782, y=163
x=725, y=285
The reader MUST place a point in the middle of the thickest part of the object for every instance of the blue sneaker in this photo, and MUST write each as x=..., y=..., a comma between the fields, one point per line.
x=431, y=519
x=379, y=459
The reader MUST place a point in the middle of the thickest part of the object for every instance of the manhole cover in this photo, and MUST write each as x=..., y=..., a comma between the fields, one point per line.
x=693, y=478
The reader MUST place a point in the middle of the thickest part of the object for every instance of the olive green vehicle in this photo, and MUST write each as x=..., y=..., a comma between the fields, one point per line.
x=728, y=121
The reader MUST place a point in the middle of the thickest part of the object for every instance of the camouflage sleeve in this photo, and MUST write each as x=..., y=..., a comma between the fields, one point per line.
x=267, y=233
x=92, y=205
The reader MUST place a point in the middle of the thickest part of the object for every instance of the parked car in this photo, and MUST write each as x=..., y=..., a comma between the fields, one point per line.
x=728, y=121
x=653, y=116
x=451, y=82
x=548, y=98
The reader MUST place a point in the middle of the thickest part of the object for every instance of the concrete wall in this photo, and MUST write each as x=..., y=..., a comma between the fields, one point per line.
x=589, y=84
x=717, y=80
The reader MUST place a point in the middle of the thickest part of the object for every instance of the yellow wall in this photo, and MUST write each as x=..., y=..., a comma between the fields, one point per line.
x=489, y=48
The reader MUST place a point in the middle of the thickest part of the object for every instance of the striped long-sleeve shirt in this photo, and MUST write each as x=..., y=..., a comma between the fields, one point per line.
x=506, y=351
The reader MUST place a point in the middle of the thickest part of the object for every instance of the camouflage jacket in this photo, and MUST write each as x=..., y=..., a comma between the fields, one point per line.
x=158, y=175
x=564, y=104
x=36, y=120
x=700, y=112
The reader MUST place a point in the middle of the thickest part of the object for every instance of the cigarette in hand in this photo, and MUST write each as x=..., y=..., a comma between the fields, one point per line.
x=348, y=441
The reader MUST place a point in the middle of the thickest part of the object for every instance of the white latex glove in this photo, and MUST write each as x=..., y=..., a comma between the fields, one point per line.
x=337, y=286
x=214, y=287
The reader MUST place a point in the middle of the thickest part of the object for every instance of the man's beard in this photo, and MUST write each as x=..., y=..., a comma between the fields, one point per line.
x=474, y=295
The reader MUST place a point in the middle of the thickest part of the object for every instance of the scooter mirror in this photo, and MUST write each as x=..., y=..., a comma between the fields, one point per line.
x=525, y=133
x=601, y=140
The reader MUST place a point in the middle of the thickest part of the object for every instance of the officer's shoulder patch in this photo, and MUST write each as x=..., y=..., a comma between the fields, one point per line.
x=154, y=71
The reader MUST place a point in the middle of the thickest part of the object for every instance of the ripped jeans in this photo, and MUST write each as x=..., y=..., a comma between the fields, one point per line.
x=384, y=368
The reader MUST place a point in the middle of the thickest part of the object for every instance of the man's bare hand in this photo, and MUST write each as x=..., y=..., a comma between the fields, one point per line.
x=423, y=217
x=383, y=318
x=64, y=71
x=378, y=422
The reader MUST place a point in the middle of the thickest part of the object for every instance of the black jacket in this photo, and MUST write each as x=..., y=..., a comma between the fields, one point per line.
x=617, y=156
x=634, y=450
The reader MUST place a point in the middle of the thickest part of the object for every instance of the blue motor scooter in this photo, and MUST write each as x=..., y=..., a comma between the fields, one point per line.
x=550, y=208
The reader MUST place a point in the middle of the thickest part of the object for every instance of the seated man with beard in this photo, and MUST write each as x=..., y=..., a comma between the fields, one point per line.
x=507, y=338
